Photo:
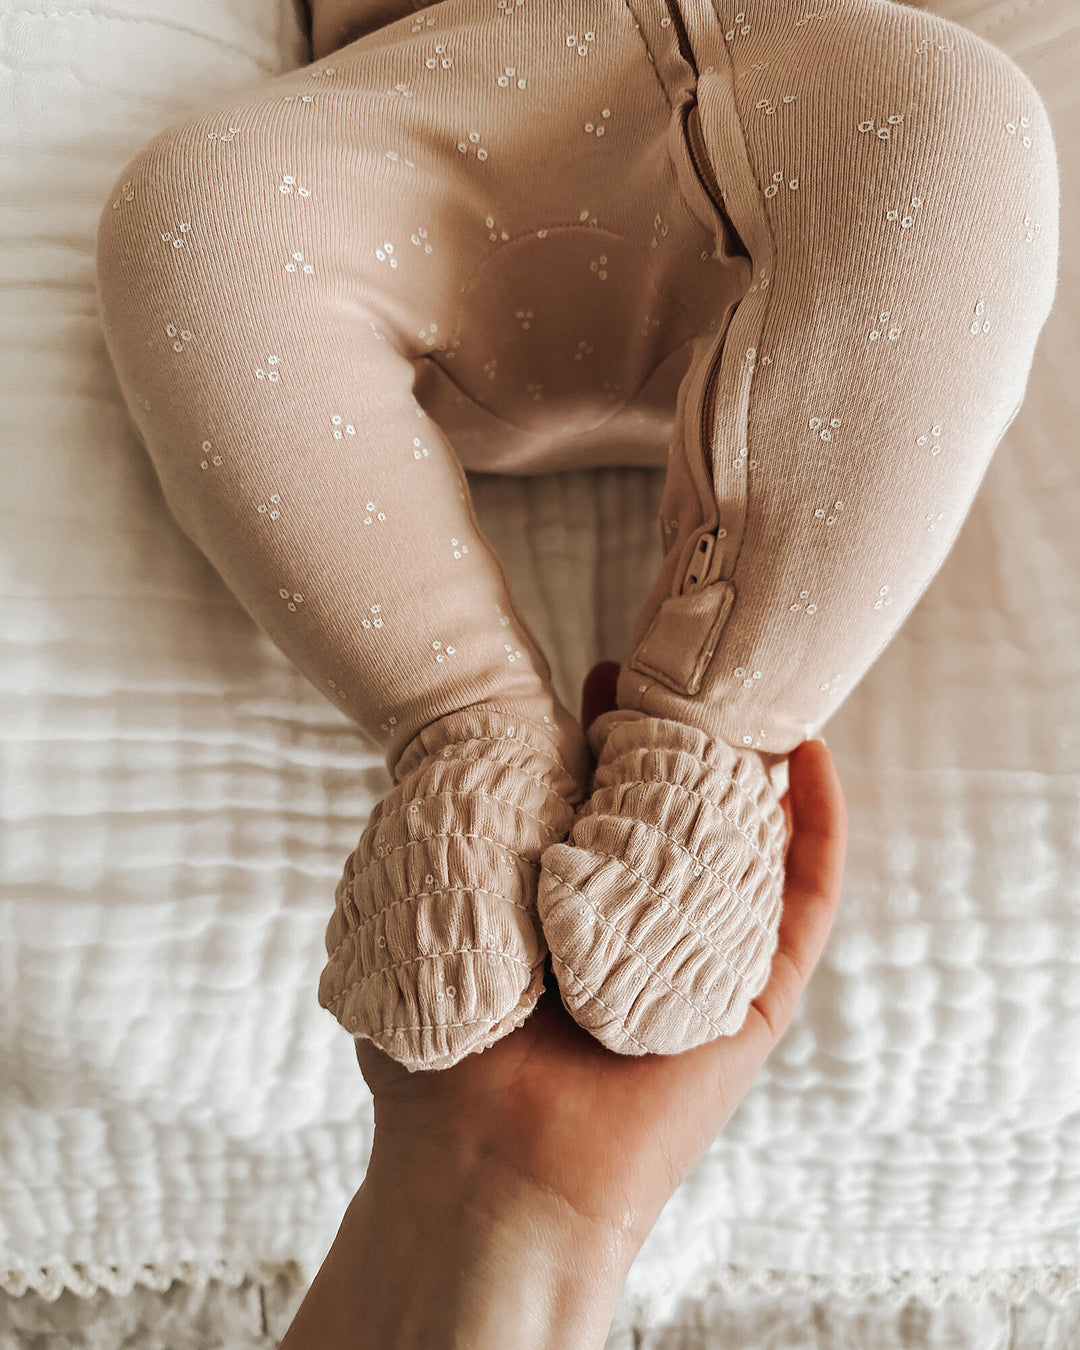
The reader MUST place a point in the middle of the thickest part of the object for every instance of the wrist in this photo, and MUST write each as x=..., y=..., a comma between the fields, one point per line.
x=447, y=1244
x=507, y=1261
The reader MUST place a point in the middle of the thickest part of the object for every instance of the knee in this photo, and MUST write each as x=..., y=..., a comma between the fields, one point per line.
x=176, y=220
x=955, y=92
x=942, y=127
x=161, y=289
x=969, y=102
x=987, y=152
x=142, y=225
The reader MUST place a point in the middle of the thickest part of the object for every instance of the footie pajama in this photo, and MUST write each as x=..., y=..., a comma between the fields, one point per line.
x=798, y=253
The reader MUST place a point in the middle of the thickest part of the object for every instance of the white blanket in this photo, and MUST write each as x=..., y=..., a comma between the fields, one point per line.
x=177, y=802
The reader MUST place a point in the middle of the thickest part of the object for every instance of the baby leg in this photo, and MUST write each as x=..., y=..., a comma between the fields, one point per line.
x=894, y=180
x=271, y=384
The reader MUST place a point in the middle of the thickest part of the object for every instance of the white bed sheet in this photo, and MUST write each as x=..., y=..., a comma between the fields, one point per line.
x=177, y=802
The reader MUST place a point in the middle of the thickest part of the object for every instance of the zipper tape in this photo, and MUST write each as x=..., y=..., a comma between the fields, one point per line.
x=686, y=50
x=699, y=155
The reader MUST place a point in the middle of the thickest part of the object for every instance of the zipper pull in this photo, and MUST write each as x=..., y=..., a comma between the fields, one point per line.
x=700, y=559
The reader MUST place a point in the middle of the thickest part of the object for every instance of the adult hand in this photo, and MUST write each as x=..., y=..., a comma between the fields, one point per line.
x=615, y=1135
x=507, y=1196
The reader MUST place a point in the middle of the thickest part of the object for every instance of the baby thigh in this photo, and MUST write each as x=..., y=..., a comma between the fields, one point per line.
x=895, y=181
x=247, y=337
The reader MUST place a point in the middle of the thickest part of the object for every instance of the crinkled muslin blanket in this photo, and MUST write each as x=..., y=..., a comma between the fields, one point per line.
x=177, y=801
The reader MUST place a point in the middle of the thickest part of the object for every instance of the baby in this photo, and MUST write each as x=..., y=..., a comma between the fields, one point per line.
x=784, y=254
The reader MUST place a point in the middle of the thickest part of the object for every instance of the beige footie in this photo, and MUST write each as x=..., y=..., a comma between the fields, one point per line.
x=799, y=257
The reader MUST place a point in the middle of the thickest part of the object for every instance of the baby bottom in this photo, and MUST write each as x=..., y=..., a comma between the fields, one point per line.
x=802, y=260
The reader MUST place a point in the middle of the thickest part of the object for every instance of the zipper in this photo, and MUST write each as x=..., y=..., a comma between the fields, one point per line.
x=696, y=574
x=685, y=50
x=699, y=562
x=699, y=156
x=697, y=571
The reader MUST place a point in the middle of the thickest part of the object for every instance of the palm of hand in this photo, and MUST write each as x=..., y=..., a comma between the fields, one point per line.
x=612, y=1136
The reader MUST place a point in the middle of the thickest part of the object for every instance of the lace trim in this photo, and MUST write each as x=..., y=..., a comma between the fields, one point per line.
x=1054, y=1283
x=85, y=1278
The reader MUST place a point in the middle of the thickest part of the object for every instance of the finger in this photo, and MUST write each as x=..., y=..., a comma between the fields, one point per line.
x=785, y=803
x=598, y=691
x=815, y=860
x=814, y=874
x=819, y=813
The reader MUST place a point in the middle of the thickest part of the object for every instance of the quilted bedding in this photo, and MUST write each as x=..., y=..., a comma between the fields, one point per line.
x=177, y=801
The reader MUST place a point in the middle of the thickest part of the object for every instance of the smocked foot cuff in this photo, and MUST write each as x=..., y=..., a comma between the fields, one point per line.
x=661, y=909
x=435, y=950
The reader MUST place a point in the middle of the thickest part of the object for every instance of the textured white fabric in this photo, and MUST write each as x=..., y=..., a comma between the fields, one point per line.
x=249, y=1316
x=177, y=802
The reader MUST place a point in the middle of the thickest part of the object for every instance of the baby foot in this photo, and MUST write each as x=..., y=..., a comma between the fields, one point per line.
x=662, y=907
x=435, y=950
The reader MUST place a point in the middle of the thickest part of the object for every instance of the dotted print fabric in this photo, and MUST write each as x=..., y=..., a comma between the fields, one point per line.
x=800, y=256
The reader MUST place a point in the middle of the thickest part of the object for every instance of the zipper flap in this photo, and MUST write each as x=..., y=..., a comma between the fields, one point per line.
x=679, y=643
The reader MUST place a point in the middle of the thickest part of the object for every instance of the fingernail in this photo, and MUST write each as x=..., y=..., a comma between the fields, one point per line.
x=821, y=739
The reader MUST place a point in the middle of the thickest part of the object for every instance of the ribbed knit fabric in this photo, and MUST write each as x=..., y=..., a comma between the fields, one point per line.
x=802, y=256
x=434, y=948
x=895, y=183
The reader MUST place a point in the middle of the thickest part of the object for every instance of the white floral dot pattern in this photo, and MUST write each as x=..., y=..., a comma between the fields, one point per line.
x=477, y=241
x=470, y=108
